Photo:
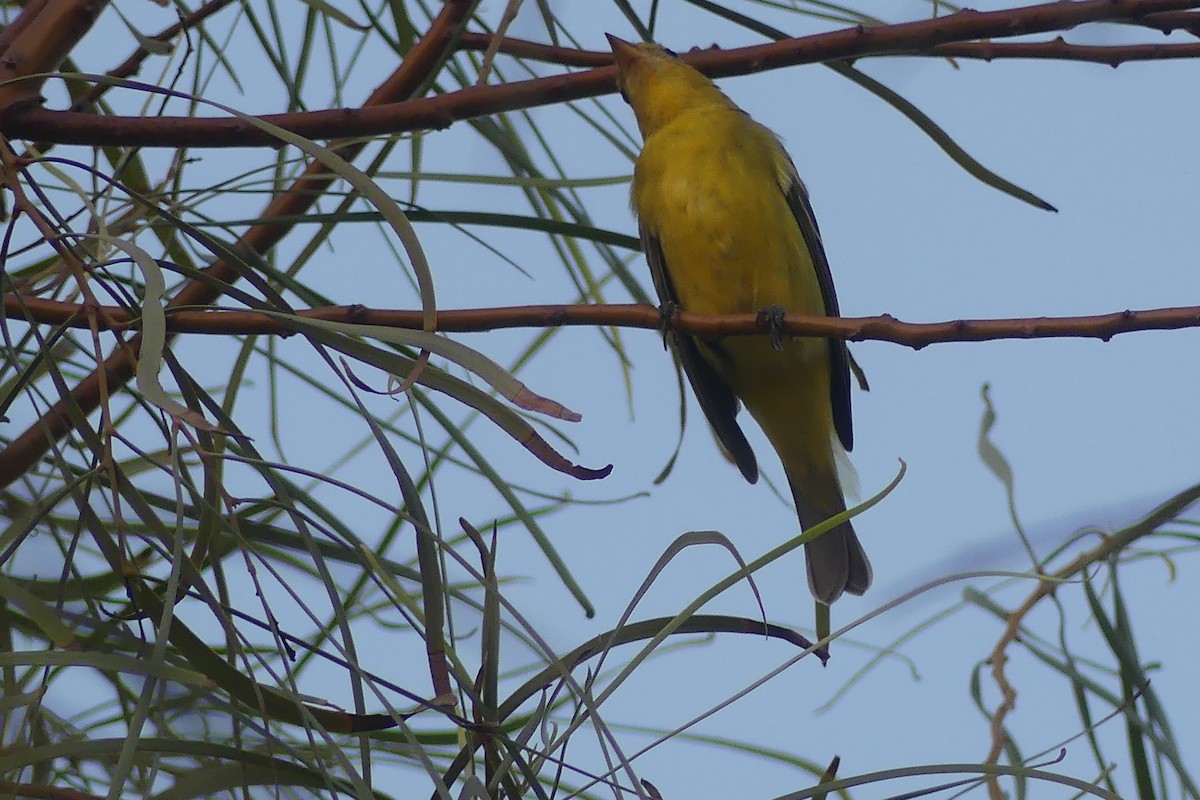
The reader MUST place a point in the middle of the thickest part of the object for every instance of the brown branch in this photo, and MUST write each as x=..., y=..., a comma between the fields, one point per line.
x=536, y=51
x=1056, y=49
x=29, y=13
x=1168, y=21
x=44, y=791
x=474, y=101
x=409, y=78
x=45, y=34
x=879, y=328
x=1059, y=50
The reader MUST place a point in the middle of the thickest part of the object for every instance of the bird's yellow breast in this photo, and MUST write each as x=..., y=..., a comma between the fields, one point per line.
x=707, y=186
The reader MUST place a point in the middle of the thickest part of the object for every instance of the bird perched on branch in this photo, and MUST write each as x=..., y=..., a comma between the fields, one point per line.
x=727, y=228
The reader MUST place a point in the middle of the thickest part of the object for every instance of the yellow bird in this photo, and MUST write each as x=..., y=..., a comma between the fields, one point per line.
x=727, y=228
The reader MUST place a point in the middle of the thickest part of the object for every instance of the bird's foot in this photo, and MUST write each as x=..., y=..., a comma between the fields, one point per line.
x=668, y=312
x=771, y=318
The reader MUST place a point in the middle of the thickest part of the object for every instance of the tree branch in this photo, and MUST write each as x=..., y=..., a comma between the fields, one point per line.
x=475, y=101
x=412, y=76
x=1056, y=49
x=41, y=37
x=878, y=328
x=1059, y=50
x=1169, y=21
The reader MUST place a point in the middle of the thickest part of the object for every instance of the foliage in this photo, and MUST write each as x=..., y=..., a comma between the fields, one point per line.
x=236, y=575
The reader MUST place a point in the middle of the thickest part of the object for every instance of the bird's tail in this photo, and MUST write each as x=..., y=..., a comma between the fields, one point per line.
x=836, y=560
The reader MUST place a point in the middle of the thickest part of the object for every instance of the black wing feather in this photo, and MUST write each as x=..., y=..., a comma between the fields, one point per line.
x=839, y=356
x=717, y=400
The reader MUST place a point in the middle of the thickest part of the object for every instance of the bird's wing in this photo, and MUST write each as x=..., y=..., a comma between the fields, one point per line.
x=839, y=356
x=717, y=400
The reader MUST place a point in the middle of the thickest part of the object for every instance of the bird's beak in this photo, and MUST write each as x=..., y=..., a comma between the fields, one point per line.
x=624, y=51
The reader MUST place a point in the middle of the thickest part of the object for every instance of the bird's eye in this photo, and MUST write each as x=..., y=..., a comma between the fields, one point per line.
x=670, y=52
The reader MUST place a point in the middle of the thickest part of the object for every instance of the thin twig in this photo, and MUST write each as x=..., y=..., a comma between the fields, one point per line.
x=1110, y=546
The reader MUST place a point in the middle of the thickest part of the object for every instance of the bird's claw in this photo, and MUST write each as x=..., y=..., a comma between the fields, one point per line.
x=771, y=318
x=668, y=312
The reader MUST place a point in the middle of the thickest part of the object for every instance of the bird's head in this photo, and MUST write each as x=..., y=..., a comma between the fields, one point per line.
x=658, y=85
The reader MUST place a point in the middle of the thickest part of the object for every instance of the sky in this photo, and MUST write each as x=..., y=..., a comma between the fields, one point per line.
x=1096, y=433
